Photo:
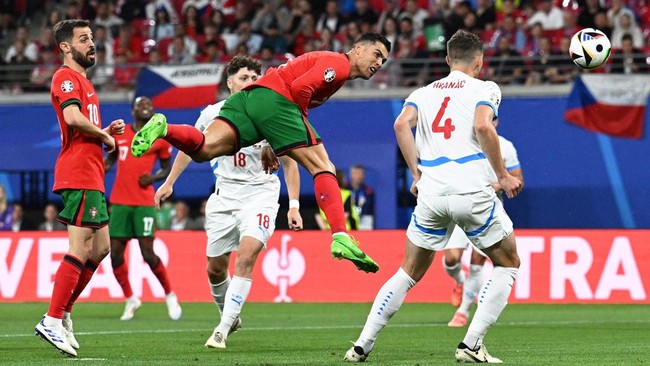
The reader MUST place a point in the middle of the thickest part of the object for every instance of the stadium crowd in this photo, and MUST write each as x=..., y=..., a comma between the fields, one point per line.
x=526, y=40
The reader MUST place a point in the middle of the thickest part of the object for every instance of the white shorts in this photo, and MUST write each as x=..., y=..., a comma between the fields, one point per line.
x=480, y=215
x=233, y=212
x=457, y=239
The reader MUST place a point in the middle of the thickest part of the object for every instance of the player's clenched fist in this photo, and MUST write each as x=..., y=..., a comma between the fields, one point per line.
x=116, y=127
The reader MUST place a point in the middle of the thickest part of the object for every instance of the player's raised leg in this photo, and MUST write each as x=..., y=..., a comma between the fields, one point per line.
x=328, y=196
x=217, y=140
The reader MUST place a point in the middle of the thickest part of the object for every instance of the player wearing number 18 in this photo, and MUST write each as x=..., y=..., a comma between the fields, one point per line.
x=450, y=159
x=132, y=208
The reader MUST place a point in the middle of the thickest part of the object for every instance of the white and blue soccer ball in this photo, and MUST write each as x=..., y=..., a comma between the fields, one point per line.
x=589, y=48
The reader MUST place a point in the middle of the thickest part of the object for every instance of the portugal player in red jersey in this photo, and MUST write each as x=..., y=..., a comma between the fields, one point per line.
x=78, y=178
x=132, y=207
x=275, y=108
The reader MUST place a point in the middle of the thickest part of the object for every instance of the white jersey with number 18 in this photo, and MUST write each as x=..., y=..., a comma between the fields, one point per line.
x=245, y=166
x=449, y=155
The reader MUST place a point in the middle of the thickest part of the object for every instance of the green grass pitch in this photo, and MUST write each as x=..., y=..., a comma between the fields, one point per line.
x=319, y=334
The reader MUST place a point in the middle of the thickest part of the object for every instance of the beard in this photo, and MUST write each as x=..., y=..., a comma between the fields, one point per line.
x=82, y=59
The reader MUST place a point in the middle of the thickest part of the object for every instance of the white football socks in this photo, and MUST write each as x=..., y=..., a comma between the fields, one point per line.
x=235, y=299
x=492, y=300
x=219, y=292
x=388, y=300
x=471, y=288
x=455, y=272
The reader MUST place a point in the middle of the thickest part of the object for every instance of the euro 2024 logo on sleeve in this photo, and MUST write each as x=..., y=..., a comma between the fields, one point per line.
x=67, y=86
x=283, y=268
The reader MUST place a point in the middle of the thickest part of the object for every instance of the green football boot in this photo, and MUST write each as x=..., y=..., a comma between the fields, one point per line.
x=154, y=129
x=344, y=247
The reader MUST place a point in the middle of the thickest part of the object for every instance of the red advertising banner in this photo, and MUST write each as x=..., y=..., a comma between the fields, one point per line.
x=557, y=266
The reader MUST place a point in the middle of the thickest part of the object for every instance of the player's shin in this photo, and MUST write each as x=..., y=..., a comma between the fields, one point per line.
x=235, y=299
x=185, y=138
x=328, y=197
x=86, y=274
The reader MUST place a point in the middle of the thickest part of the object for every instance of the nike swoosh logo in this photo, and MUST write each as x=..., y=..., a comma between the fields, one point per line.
x=90, y=94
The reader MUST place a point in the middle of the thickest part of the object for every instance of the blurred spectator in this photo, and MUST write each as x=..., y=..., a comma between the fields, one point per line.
x=351, y=217
x=508, y=29
x=455, y=20
x=189, y=43
x=570, y=25
x=534, y=42
x=331, y=18
x=391, y=10
x=155, y=58
x=563, y=69
x=102, y=39
x=416, y=14
x=275, y=41
x=181, y=219
x=602, y=23
x=509, y=8
x=179, y=53
x=20, y=69
x=46, y=40
x=106, y=18
x=53, y=16
x=6, y=211
x=364, y=197
x=211, y=53
x=154, y=5
x=486, y=15
x=616, y=11
x=506, y=66
x=28, y=47
x=124, y=73
x=588, y=13
x=405, y=28
x=19, y=222
x=101, y=75
x=306, y=34
x=627, y=25
x=134, y=9
x=363, y=13
x=217, y=19
x=130, y=44
x=299, y=9
x=73, y=11
x=543, y=65
x=253, y=41
x=272, y=12
x=327, y=42
x=243, y=13
x=212, y=35
x=410, y=71
x=389, y=30
x=162, y=28
x=469, y=22
x=41, y=75
x=549, y=15
x=192, y=22
x=628, y=60
x=50, y=214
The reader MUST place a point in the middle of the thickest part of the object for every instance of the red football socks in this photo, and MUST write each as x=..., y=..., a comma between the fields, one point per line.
x=86, y=274
x=122, y=276
x=185, y=138
x=328, y=197
x=161, y=274
x=65, y=281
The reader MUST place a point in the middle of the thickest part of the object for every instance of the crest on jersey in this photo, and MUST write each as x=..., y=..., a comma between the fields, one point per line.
x=329, y=75
x=67, y=86
x=494, y=98
x=93, y=213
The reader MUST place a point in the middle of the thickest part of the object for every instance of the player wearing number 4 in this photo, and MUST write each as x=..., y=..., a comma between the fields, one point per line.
x=78, y=178
x=240, y=214
x=455, y=146
x=275, y=108
x=133, y=211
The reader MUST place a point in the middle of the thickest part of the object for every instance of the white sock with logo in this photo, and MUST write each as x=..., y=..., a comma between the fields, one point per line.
x=235, y=299
x=492, y=300
x=219, y=292
x=389, y=298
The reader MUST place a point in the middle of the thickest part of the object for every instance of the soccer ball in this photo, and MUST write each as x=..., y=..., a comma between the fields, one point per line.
x=589, y=48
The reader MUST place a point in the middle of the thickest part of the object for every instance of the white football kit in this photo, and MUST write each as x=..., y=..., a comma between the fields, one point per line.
x=455, y=185
x=458, y=239
x=245, y=198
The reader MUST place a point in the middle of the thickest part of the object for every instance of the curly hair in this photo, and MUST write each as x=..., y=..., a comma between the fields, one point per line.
x=243, y=62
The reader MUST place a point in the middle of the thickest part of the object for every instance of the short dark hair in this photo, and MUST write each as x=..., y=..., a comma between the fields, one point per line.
x=627, y=37
x=374, y=38
x=463, y=46
x=64, y=29
x=243, y=62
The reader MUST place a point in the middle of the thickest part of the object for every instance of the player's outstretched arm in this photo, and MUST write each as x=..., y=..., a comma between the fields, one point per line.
x=292, y=179
x=75, y=119
x=403, y=126
x=166, y=189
